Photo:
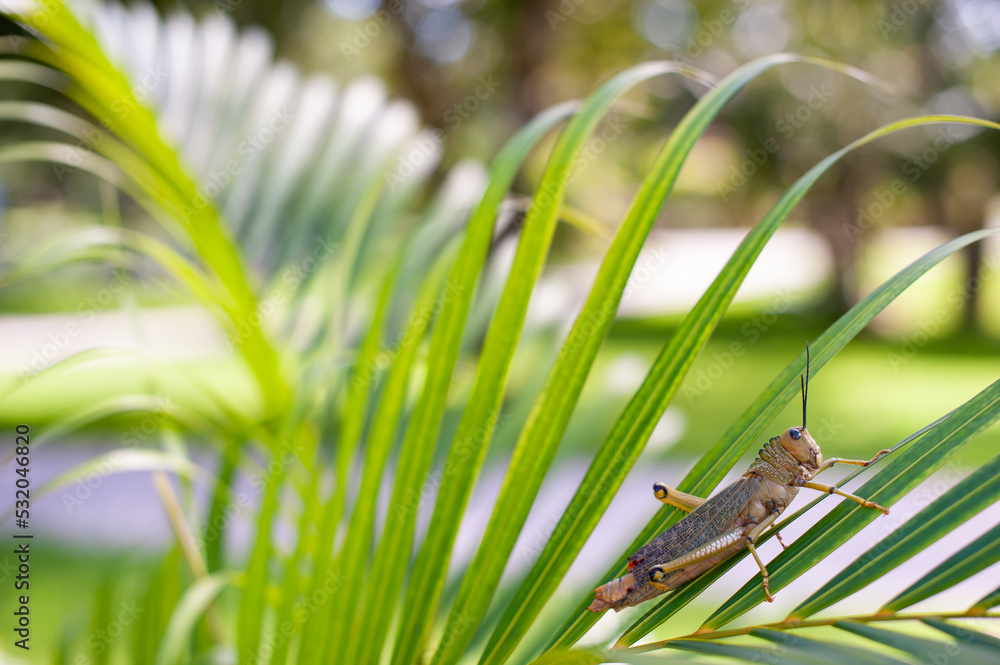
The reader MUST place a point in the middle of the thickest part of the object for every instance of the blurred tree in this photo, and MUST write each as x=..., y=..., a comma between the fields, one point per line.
x=941, y=56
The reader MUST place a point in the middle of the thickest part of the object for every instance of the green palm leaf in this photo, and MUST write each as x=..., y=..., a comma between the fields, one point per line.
x=835, y=652
x=76, y=52
x=750, y=654
x=963, y=634
x=482, y=412
x=418, y=445
x=963, y=564
x=360, y=392
x=989, y=601
x=358, y=544
x=632, y=430
x=967, y=498
x=189, y=610
x=552, y=409
x=921, y=650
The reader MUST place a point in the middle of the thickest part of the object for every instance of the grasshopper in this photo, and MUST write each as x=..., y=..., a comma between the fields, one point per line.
x=719, y=527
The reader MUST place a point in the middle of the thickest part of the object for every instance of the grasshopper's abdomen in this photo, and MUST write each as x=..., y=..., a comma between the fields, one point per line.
x=612, y=594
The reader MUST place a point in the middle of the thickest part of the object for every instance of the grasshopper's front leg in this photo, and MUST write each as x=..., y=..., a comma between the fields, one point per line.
x=838, y=460
x=832, y=489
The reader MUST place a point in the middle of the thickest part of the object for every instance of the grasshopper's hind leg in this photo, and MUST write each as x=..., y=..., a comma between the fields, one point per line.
x=659, y=572
x=676, y=498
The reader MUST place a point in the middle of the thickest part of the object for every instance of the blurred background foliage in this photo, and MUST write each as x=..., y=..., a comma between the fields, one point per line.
x=940, y=55
x=478, y=70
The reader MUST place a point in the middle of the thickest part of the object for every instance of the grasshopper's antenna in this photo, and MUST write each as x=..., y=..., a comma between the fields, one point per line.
x=804, y=380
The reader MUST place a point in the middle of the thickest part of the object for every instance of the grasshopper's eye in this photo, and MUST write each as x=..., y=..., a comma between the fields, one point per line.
x=795, y=434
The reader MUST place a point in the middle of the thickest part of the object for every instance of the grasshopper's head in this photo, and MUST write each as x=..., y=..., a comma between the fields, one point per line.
x=797, y=440
x=802, y=446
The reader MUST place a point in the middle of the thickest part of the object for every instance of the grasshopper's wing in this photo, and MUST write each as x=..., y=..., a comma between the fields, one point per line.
x=711, y=519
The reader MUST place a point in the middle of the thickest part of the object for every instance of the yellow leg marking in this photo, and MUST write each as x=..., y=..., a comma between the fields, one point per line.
x=832, y=489
x=676, y=498
x=659, y=585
